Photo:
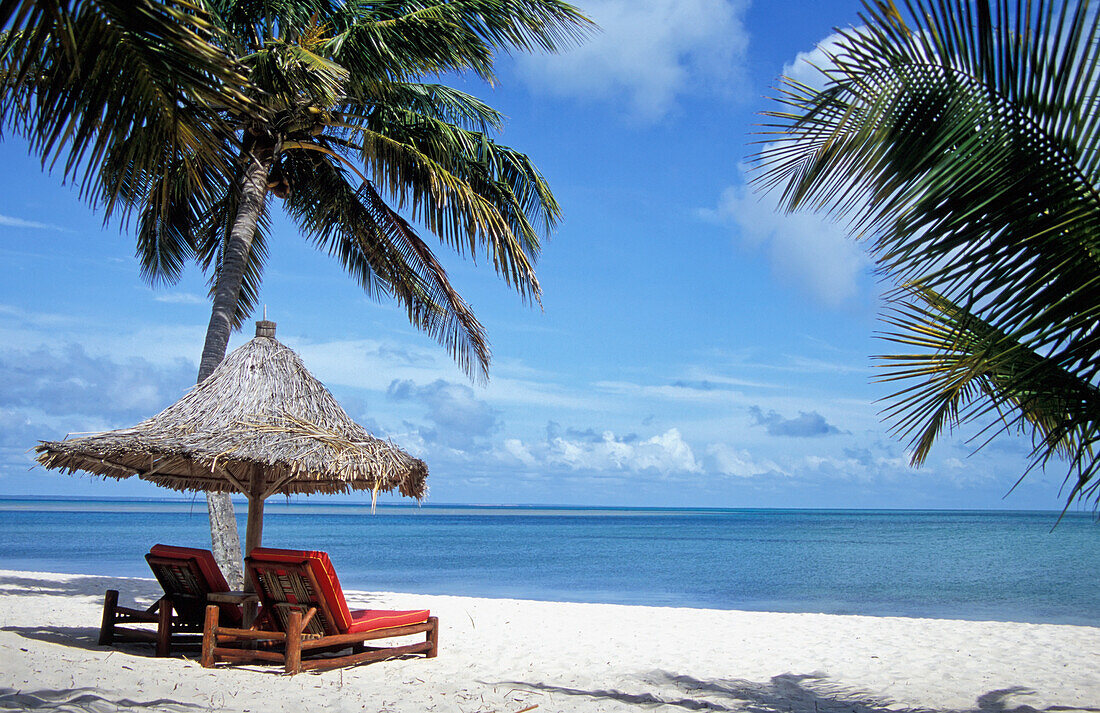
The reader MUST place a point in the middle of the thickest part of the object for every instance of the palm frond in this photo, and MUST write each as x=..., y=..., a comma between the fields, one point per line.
x=383, y=253
x=465, y=187
x=960, y=140
x=435, y=100
x=400, y=40
x=965, y=370
x=82, y=77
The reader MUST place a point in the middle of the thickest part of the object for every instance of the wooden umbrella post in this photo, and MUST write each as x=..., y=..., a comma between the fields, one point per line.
x=253, y=534
x=255, y=529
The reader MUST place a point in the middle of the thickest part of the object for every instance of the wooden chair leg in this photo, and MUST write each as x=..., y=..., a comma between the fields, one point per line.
x=293, y=654
x=209, y=635
x=164, y=628
x=107, y=627
x=433, y=638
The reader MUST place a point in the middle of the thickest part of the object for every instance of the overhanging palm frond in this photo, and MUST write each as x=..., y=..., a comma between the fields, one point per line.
x=438, y=101
x=81, y=77
x=383, y=253
x=966, y=370
x=173, y=193
x=961, y=140
x=446, y=203
x=525, y=25
x=289, y=76
x=399, y=40
x=465, y=187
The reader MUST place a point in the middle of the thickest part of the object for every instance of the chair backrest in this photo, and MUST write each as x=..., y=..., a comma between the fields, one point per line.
x=299, y=579
x=187, y=576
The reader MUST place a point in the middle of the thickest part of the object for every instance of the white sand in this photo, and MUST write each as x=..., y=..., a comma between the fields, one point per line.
x=503, y=656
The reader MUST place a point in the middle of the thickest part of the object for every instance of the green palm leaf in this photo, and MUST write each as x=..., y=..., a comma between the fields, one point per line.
x=960, y=141
x=82, y=77
x=966, y=370
x=382, y=253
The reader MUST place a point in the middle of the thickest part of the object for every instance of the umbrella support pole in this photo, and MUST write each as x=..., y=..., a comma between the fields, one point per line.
x=255, y=528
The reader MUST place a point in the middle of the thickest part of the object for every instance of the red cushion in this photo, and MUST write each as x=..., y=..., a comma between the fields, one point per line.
x=203, y=558
x=373, y=619
x=323, y=572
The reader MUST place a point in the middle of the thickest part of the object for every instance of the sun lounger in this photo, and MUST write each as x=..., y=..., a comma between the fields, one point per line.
x=187, y=576
x=305, y=619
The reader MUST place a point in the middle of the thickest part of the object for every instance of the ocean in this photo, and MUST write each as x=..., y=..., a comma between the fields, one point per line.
x=982, y=565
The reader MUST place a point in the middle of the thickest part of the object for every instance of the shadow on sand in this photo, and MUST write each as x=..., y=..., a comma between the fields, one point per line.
x=787, y=693
x=133, y=589
x=83, y=700
x=72, y=636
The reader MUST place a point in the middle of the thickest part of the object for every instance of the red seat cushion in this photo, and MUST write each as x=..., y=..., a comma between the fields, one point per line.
x=374, y=619
x=203, y=558
x=323, y=572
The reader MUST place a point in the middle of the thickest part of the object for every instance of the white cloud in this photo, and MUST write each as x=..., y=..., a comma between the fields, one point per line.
x=181, y=298
x=804, y=249
x=727, y=460
x=515, y=448
x=665, y=453
x=649, y=53
x=459, y=419
x=807, y=66
x=9, y=221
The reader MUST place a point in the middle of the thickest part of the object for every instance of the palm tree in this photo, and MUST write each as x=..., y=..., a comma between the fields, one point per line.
x=340, y=125
x=960, y=139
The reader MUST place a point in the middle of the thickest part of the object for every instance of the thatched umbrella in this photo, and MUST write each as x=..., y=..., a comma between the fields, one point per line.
x=261, y=424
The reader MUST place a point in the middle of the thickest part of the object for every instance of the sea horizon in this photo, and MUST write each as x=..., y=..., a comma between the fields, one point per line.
x=314, y=501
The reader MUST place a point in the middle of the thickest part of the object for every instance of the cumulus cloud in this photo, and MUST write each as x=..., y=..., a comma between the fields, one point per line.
x=649, y=53
x=70, y=381
x=459, y=420
x=663, y=455
x=806, y=425
x=807, y=250
x=738, y=462
x=585, y=451
x=46, y=393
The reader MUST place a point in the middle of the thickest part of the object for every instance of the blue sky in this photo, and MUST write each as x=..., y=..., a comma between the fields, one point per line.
x=694, y=347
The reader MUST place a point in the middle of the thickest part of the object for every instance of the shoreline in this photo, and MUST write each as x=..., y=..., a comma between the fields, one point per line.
x=7, y=569
x=506, y=654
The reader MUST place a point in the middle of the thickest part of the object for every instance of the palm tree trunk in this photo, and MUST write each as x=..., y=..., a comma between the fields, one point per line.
x=224, y=539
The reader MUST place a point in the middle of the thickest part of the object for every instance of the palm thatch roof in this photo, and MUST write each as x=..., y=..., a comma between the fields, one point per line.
x=260, y=424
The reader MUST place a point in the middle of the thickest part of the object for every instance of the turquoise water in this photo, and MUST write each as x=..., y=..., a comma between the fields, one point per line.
x=972, y=565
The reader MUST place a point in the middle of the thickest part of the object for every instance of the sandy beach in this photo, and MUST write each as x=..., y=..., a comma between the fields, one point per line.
x=499, y=655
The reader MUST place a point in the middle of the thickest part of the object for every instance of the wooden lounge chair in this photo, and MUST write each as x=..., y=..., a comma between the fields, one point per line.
x=305, y=618
x=187, y=576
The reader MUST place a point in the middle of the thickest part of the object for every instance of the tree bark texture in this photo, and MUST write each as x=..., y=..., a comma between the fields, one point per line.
x=224, y=538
